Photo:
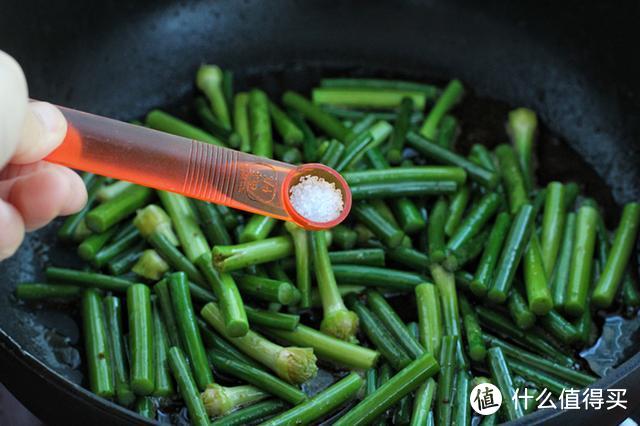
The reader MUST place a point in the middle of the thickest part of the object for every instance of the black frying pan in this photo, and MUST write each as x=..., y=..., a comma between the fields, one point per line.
x=572, y=63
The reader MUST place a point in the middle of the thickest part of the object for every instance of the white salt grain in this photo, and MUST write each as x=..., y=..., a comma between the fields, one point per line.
x=316, y=199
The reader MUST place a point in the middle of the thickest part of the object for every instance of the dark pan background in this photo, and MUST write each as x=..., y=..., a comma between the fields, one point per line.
x=573, y=62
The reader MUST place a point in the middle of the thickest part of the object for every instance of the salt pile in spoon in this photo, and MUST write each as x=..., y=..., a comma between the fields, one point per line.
x=316, y=199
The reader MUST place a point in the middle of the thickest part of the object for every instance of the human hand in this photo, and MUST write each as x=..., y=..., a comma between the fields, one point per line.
x=32, y=191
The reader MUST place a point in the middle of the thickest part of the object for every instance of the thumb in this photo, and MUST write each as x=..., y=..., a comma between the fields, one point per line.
x=28, y=132
x=43, y=130
x=13, y=106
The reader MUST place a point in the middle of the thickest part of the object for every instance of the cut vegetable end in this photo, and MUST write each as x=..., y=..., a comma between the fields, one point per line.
x=541, y=306
x=438, y=255
x=95, y=223
x=477, y=288
x=573, y=308
x=340, y=324
x=496, y=296
x=142, y=387
x=287, y=294
x=478, y=354
x=236, y=328
x=316, y=196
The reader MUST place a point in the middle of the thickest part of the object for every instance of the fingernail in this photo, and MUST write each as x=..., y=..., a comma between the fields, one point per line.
x=50, y=117
x=44, y=129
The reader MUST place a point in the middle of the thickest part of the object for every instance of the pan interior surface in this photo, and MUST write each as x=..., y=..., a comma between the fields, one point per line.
x=53, y=336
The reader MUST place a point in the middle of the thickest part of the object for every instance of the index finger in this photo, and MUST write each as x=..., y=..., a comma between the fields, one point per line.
x=28, y=132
